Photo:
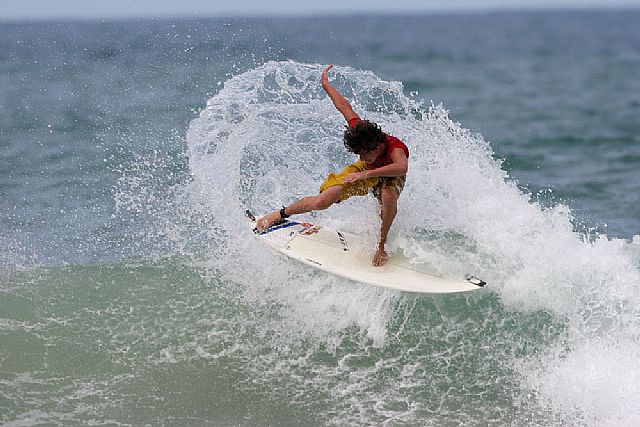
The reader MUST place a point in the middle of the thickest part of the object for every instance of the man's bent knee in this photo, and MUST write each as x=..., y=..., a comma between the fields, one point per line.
x=389, y=195
x=328, y=197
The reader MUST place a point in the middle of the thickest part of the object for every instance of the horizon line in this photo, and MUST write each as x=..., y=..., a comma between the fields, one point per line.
x=317, y=14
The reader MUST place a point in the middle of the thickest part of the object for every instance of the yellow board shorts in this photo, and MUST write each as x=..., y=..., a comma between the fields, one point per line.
x=364, y=186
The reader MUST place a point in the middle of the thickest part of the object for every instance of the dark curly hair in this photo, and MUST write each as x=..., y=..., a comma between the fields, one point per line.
x=365, y=135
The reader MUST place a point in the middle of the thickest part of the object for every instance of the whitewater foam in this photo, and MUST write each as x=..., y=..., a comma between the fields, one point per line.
x=271, y=135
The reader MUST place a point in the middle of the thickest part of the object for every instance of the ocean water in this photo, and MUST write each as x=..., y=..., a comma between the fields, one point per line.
x=132, y=294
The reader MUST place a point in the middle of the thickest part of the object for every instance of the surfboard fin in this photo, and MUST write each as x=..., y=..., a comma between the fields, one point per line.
x=475, y=281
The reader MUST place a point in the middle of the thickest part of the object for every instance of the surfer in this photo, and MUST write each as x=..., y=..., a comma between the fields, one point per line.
x=381, y=170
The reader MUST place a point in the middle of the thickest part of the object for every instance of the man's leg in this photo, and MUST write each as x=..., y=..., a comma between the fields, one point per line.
x=388, y=210
x=307, y=204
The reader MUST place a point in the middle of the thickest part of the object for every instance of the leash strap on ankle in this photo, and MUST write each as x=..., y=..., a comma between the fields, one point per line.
x=283, y=215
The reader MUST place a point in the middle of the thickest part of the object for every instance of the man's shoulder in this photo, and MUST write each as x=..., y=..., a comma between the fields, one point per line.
x=392, y=140
x=393, y=143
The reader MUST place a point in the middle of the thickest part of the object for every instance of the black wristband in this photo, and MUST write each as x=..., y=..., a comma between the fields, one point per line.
x=283, y=215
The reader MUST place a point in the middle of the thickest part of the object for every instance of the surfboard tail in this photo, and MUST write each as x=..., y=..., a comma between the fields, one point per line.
x=475, y=281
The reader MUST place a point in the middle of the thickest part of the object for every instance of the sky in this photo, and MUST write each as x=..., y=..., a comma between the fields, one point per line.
x=38, y=9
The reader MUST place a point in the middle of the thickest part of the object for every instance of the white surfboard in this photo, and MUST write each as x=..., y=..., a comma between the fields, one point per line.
x=340, y=254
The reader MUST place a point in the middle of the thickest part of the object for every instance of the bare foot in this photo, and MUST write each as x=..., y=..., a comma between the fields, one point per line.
x=380, y=258
x=267, y=221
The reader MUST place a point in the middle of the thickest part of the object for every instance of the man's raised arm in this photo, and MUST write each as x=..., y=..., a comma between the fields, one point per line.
x=336, y=97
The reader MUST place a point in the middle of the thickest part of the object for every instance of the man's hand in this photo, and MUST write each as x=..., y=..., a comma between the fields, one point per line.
x=336, y=97
x=325, y=78
x=356, y=176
